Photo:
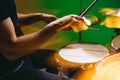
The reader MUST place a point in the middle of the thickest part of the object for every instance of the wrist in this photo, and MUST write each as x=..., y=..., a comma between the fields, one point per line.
x=58, y=26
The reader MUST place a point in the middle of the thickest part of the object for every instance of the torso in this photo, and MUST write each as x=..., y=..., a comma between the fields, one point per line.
x=5, y=64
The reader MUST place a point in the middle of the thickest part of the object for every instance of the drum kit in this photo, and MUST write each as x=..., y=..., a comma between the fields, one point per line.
x=88, y=61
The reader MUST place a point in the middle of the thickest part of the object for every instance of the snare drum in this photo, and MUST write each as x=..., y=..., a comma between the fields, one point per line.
x=78, y=55
x=115, y=44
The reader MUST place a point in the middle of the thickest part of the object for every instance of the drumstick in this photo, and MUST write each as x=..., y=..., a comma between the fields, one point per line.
x=86, y=10
x=93, y=29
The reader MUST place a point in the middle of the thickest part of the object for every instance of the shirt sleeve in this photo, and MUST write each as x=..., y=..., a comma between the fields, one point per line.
x=3, y=12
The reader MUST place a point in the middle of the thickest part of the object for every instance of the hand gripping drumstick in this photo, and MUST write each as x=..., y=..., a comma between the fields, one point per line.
x=83, y=13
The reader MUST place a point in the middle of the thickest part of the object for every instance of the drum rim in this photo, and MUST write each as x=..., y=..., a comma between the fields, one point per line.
x=87, y=43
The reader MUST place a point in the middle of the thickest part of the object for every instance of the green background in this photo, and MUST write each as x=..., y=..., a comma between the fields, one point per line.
x=61, y=8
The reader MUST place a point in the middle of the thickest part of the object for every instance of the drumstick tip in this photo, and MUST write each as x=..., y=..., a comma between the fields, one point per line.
x=93, y=29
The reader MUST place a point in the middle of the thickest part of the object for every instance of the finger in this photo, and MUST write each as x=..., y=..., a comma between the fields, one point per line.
x=79, y=18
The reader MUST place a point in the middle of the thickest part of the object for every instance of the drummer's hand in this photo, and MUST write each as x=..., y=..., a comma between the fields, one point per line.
x=77, y=24
x=69, y=22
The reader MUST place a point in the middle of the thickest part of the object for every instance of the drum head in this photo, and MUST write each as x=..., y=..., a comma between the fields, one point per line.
x=108, y=60
x=83, y=52
x=108, y=69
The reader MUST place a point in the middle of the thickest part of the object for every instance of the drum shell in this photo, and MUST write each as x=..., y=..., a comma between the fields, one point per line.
x=85, y=74
x=55, y=61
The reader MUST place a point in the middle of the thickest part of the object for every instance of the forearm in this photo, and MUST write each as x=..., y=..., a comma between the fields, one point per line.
x=27, y=19
x=26, y=44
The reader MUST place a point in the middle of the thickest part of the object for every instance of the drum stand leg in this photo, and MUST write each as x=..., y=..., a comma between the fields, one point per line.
x=62, y=71
x=65, y=72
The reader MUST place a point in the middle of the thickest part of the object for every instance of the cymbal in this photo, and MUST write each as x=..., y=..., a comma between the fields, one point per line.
x=110, y=11
x=112, y=19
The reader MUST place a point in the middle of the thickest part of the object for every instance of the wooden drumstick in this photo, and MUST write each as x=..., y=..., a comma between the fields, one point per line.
x=93, y=29
x=88, y=8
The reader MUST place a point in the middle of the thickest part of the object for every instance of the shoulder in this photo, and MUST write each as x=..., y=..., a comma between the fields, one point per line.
x=3, y=10
x=6, y=2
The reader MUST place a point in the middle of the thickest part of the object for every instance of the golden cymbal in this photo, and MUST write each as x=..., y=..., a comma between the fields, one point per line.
x=112, y=19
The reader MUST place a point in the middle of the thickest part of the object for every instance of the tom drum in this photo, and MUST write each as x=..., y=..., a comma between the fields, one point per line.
x=77, y=55
x=106, y=69
x=115, y=44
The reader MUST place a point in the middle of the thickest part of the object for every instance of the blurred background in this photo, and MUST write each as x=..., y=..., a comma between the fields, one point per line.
x=61, y=8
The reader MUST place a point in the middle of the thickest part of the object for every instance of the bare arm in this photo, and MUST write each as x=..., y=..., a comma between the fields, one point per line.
x=27, y=19
x=14, y=47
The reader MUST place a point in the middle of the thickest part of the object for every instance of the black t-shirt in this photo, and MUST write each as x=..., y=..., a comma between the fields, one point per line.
x=8, y=9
